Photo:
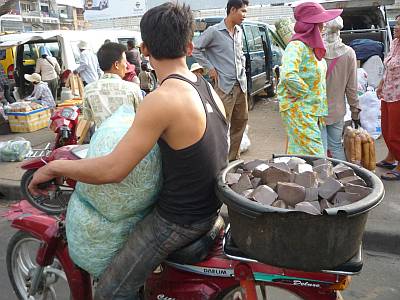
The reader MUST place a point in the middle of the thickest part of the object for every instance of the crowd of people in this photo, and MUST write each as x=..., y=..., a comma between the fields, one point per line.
x=318, y=77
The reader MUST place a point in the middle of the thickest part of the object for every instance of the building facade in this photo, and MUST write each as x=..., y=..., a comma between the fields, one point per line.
x=38, y=15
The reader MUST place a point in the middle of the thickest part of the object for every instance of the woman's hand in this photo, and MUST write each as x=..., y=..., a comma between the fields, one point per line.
x=42, y=175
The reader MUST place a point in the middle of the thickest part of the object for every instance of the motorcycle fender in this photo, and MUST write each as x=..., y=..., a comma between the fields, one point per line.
x=42, y=227
x=34, y=163
x=45, y=228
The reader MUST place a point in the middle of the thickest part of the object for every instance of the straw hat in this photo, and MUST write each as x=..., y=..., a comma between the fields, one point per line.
x=35, y=77
x=196, y=66
x=83, y=45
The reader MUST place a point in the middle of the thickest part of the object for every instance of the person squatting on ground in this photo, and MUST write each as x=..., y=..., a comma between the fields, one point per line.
x=47, y=66
x=302, y=86
x=341, y=84
x=389, y=92
x=220, y=50
x=89, y=69
x=41, y=92
x=104, y=96
x=186, y=118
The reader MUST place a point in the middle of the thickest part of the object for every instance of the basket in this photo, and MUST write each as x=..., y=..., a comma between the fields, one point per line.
x=29, y=121
x=297, y=240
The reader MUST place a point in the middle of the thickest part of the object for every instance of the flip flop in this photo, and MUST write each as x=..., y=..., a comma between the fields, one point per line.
x=391, y=176
x=386, y=165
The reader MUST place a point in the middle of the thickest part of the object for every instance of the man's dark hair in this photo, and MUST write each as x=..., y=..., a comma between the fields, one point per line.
x=131, y=43
x=167, y=29
x=236, y=4
x=109, y=54
x=130, y=57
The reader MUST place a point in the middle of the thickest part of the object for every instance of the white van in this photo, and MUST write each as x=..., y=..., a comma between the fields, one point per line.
x=63, y=45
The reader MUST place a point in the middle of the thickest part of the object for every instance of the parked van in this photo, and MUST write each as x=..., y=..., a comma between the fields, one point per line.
x=261, y=77
x=62, y=44
x=364, y=19
x=7, y=60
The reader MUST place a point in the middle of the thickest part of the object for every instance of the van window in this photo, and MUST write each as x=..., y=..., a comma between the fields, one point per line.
x=249, y=38
x=2, y=54
x=30, y=52
x=258, y=38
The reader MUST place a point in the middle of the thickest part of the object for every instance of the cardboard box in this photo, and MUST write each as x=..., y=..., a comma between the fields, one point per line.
x=29, y=121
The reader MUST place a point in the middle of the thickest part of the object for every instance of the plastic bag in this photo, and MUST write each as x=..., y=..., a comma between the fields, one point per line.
x=375, y=69
x=245, y=143
x=138, y=190
x=370, y=115
x=362, y=81
x=100, y=217
x=93, y=240
x=15, y=150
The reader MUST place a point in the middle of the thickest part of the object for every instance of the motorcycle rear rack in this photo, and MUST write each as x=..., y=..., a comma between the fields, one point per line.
x=35, y=153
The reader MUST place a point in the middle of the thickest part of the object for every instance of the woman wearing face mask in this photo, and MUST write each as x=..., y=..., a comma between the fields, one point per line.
x=389, y=92
x=302, y=87
x=341, y=83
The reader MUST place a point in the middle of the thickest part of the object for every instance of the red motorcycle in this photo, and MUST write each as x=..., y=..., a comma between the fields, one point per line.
x=64, y=122
x=212, y=267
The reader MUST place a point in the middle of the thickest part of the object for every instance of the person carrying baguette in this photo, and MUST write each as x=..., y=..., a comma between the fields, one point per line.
x=341, y=85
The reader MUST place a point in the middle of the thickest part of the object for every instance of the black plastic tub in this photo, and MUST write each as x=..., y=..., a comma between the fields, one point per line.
x=297, y=240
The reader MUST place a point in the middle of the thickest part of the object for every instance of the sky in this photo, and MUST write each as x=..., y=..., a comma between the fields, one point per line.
x=124, y=8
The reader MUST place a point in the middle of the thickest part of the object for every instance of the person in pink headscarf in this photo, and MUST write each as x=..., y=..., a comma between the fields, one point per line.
x=302, y=87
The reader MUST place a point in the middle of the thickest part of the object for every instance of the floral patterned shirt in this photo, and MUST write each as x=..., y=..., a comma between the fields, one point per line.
x=104, y=96
x=391, y=83
x=302, y=81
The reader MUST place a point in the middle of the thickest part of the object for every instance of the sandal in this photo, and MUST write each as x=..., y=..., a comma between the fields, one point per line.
x=386, y=165
x=391, y=175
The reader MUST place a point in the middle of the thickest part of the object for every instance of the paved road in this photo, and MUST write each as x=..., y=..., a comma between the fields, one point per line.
x=379, y=279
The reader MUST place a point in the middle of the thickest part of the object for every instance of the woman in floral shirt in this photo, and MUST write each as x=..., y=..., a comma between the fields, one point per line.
x=302, y=88
x=389, y=92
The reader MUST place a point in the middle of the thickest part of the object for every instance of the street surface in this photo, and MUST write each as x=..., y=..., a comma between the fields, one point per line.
x=380, y=277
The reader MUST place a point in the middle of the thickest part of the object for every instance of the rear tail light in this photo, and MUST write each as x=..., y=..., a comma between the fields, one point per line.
x=10, y=72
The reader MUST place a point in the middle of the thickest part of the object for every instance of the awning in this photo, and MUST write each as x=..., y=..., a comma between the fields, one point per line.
x=73, y=3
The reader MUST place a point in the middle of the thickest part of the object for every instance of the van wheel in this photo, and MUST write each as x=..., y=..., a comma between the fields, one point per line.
x=250, y=101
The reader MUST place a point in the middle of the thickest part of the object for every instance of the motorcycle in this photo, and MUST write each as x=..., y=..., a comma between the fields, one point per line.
x=64, y=123
x=212, y=267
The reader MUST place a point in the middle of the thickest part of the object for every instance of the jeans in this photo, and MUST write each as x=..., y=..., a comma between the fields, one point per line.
x=149, y=244
x=332, y=139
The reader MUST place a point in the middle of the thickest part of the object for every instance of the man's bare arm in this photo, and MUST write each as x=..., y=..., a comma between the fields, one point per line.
x=151, y=120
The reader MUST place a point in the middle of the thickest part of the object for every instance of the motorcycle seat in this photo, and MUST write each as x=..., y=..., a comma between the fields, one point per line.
x=351, y=267
x=199, y=249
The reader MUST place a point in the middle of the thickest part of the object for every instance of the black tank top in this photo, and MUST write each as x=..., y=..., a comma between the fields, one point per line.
x=189, y=175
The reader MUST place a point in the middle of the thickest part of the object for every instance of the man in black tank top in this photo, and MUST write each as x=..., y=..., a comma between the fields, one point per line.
x=187, y=119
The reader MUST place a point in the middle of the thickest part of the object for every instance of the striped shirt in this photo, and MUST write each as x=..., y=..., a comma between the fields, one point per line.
x=42, y=94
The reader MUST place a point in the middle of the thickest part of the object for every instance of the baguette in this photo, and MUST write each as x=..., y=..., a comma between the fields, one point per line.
x=365, y=161
x=357, y=149
x=372, y=155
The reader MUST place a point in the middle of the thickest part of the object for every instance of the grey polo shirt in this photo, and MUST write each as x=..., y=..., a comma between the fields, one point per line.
x=215, y=48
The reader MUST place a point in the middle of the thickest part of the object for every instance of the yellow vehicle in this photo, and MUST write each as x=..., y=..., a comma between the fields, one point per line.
x=7, y=58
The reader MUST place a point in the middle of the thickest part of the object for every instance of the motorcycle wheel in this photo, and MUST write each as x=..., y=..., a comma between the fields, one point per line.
x=21, y=265
x=53, y=204
x=264, y=292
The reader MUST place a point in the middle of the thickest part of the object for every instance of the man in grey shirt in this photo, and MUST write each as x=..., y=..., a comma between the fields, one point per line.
x=220, y=50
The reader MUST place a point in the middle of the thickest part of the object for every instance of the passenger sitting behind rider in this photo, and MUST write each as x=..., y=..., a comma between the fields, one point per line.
x=104, y=96
x=189, y=126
